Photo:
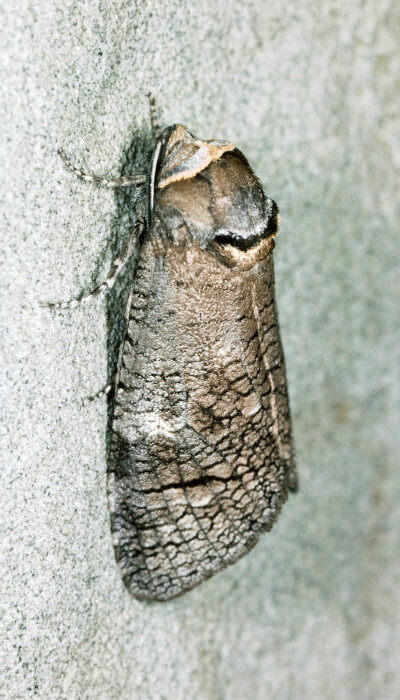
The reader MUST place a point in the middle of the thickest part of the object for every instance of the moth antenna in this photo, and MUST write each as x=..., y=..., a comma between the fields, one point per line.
x=151, y=180
x=155, y=127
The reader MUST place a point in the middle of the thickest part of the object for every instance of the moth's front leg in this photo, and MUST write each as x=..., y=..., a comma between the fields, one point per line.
x=113, y=273
x=123, y=181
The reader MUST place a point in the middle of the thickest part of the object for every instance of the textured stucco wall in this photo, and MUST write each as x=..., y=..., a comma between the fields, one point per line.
x=309, y=91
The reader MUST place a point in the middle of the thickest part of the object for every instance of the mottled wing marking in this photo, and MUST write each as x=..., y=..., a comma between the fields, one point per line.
x=152, y=516
x=271, y=354
x=196, y=472
x=246, y=434
x=134, y=528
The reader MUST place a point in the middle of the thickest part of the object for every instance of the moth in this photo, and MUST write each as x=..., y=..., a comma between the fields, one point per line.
x=202, y=454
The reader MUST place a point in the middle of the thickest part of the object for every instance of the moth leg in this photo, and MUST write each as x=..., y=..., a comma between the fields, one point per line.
x=113, y=273
x=109, y=387
x=103, y=392
x=155, y=127
x=121, y=347
x=124, y=181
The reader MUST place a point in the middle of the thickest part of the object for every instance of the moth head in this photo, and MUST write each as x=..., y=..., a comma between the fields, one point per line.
x=185, y=156
x=210, y=189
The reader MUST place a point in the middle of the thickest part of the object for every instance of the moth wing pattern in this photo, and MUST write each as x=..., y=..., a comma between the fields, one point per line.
x=201, y=447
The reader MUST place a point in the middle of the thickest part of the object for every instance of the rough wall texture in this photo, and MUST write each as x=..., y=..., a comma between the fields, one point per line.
x=310, y=93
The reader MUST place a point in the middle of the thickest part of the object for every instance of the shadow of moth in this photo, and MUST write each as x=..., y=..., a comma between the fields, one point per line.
x=201, y=452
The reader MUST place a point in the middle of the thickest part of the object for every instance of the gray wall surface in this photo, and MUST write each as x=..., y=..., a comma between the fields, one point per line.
x=310, y=92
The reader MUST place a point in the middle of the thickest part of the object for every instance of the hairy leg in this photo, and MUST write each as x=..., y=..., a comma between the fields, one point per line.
x=113, y=273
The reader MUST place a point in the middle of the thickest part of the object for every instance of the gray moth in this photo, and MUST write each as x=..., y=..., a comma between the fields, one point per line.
x=202, y=454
